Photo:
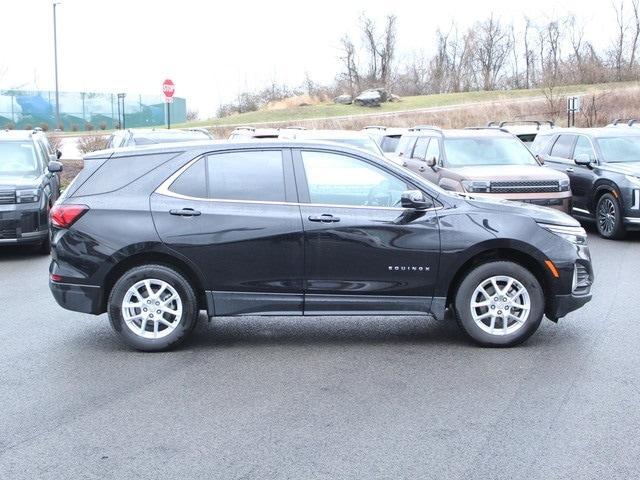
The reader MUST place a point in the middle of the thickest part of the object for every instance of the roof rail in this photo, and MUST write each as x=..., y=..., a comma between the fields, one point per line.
x=537, y=123
x=294, y=127
x=251, y=129
x=375, y=127
x=432, y=128
x=628, y=121
x=500, y=129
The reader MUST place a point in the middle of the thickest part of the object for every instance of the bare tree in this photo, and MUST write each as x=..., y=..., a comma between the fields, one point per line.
x=350, y=64
x=492, y=47
x=528, y=55
x=621, y=30
x=635, y=5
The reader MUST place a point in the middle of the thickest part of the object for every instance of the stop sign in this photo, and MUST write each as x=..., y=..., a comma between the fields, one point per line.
x=168, y=88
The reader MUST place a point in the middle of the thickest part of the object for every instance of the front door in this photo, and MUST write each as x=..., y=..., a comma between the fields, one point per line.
x=235, y=216
x=363, y=252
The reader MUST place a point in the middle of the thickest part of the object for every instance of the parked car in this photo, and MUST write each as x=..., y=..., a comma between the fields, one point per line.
x=149, y=136
x=483, y=162
x=302, y=228
x=29, y=186
x=387, y=138
x=252, y=133
x=347, y=137
x=525, y=130
x=604, y=167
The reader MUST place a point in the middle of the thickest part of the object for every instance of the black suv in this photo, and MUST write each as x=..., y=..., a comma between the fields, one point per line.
x=155, y=235
x=603, y=165
x=29, y=185
x=151, y=136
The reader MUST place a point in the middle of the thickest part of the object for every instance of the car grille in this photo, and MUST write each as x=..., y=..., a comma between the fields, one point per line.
x=7, y=197
x=526, y=186
x=8, y=230
x=582, y=280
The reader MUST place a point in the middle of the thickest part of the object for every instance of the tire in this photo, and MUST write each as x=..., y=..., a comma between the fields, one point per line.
x=176, y=303
x=609, y=215
x=510, y=278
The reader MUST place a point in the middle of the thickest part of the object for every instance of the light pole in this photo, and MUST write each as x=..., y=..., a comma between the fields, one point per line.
x=55, y=62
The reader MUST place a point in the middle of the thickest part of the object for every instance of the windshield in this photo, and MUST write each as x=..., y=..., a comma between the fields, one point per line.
x=620, y=149
x=17, y=158
x=469, y=152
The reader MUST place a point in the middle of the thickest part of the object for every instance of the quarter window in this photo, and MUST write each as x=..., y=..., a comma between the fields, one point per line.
x=335, y=179
x=251, y=175
x=562, y=147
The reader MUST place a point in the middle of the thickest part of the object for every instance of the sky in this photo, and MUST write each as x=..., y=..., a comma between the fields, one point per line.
x=215, y=50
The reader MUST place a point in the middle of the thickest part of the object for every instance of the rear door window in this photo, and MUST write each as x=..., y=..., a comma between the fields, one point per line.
x=563, y=146
x=193, y=181
x=583, y=147
x=434, y=149
x=251, y=175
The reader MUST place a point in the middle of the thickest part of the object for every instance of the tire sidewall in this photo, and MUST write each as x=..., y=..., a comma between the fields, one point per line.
x=618, y=229
x=478, y=275
x=173, y=278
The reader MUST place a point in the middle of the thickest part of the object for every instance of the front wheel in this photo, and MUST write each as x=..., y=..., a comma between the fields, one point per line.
x=499, y=304
x=152, y=308
x=609, y=217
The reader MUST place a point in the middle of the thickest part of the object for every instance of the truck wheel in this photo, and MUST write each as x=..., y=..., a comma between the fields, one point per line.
x=499, y=304
x=609, y=217
x=152, y=308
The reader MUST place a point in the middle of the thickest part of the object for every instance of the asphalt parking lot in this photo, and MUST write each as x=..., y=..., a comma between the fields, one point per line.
x=320, y=397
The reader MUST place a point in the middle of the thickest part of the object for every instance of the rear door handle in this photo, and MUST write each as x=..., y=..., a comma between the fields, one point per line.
x=570, y=170
x=324, y=218
x=185, y=212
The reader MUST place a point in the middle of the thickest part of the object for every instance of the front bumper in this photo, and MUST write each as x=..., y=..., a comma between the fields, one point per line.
x=561, y=305
x=558, y=201
x=79, y=298
x=23, y=224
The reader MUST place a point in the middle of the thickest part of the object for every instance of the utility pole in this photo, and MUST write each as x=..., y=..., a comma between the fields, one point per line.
x=55, y=62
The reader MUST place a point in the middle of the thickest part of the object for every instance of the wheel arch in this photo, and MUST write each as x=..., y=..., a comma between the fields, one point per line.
x=501, y=253
x=600, y=188
x=156, y=258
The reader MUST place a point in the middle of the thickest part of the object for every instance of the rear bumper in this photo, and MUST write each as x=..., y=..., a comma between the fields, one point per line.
x=79, y=298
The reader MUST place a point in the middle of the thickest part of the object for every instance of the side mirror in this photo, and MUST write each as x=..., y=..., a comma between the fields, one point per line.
x=540, y=159
x=583, y=159
x=58, y=154
x=414, y=199
x=431, y=162
x=54, y=166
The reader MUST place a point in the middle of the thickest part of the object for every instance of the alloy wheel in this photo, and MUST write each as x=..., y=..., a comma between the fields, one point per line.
x=152, y=308
x=500, y=305
x=606, y=216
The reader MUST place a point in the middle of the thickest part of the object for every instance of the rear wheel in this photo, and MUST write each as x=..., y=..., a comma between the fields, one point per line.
x=609, y=217
x=499, y=304
x=153, y=308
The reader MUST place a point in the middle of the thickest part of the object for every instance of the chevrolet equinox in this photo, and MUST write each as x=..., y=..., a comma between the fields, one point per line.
x=154, y=235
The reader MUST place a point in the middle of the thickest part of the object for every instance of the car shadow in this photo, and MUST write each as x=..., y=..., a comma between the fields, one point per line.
x=311, y=331
x=19, y=252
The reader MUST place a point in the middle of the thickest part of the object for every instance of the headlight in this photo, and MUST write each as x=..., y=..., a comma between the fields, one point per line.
x=30, y=195
x=474, y=186
x=564, y=185
x=635, y=181
x=575, y=235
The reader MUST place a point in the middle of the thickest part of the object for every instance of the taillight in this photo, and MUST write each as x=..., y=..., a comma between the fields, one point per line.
x=63, y=216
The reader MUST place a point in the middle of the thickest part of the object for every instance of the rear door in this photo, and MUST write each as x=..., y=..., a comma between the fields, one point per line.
x=582, y=176
x=363, y=252
x=235, y=215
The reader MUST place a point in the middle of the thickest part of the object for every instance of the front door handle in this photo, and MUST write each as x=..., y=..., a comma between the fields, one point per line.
x=324, y=218
x=185, y=212
x=570, y=170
